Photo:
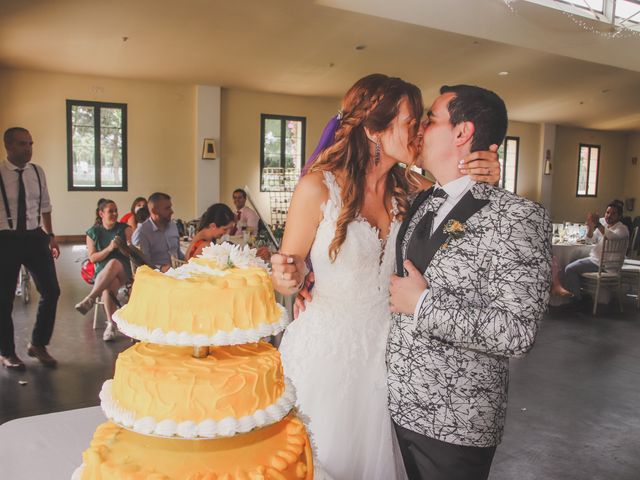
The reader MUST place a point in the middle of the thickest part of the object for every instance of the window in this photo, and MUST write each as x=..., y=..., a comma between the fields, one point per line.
x=508, y=158
x=281, y=151
x=96, y=145
x=588, y=163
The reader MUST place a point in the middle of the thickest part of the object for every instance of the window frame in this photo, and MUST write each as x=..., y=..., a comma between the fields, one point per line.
x=599, y=149
x=501, y=182
x=96, y=125
x=283, y=119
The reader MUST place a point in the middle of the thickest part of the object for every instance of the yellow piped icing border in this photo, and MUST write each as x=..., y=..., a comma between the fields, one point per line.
x=235, y=337
x=206, y=429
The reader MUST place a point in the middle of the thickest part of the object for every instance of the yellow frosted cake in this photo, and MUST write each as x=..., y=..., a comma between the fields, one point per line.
x=223, y=297
x=280, y=451
x=201, y=397
x=164, y=390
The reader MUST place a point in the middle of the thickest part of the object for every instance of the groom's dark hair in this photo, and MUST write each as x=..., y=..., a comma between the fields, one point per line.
x=482, y=107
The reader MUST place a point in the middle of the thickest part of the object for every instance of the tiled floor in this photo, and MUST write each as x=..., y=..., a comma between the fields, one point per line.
x=574, y=406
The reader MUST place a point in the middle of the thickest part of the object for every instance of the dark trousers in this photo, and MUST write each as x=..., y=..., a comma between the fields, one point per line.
x=30, y=249
x=429, y=459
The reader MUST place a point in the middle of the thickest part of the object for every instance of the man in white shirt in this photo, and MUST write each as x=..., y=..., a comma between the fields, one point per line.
x=613, y=229
x=26, y=238
x=244, y=215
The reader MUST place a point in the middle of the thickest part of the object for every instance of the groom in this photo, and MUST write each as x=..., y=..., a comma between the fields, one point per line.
x=473, y=265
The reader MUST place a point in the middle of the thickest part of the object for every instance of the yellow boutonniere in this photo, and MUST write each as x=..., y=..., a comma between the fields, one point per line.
x=455, y=230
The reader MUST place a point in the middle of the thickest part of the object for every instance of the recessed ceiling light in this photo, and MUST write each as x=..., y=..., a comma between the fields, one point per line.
x=503, y=73
x=360, y=47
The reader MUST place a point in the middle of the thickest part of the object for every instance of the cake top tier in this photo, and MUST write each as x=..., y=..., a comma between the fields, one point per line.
x=223, y=297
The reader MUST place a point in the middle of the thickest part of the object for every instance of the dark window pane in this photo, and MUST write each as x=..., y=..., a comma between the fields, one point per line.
x=85, y=135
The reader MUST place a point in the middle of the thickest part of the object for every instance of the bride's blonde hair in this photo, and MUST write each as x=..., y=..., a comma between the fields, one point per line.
x=372, y=102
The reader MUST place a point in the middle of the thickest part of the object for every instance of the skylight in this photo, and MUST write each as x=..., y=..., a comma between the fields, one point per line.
x=620, y=14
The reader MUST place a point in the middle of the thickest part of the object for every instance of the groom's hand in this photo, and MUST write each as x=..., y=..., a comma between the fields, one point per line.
x=406, y=291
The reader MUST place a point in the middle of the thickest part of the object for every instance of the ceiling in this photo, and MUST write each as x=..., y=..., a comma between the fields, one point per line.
x=558, y=72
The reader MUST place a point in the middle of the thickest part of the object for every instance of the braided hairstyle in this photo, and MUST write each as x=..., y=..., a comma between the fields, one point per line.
x=372, y=102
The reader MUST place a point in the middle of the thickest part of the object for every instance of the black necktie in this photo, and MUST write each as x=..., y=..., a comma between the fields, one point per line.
x=434, y=203
x=22, y=204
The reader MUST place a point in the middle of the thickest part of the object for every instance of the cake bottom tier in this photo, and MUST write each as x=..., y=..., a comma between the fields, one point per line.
x=280, y=451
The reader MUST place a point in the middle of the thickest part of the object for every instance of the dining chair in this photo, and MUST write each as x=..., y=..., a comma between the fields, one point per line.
x=609, y=271
x=134, y=266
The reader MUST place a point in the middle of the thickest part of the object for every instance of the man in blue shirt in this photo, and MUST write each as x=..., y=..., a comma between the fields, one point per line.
x=158, y=236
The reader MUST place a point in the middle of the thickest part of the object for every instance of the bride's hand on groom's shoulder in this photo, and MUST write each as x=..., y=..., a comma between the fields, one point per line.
x=406, y=291
x=482, y=166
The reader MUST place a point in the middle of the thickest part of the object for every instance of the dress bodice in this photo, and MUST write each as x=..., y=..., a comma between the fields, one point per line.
x=364, y=264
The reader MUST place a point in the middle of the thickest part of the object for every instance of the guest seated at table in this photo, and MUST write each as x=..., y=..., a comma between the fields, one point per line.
x=158, y=237
x=112, y=267
x=612, y=229
x=130, y=217
x=217, y=221
x=245, y=217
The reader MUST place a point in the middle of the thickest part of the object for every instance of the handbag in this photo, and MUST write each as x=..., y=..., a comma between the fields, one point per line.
x=87, y=271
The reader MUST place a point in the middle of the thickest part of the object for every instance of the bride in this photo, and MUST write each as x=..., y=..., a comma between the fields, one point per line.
x=344, y=215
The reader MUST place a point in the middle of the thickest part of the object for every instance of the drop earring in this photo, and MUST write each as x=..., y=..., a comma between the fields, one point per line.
x=376, y=155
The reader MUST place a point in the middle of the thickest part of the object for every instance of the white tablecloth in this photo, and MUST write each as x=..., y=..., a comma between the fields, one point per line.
x=565, y=253
x=46, y=446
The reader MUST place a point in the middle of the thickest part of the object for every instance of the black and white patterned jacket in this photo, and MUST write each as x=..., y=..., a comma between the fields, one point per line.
x=449, y=368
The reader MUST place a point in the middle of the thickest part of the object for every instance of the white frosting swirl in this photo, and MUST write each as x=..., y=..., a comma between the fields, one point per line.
x=228, y=255
x=235, y=337
x=206, y=429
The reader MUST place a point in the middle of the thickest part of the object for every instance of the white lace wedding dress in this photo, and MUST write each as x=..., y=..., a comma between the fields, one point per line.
x=334, y=353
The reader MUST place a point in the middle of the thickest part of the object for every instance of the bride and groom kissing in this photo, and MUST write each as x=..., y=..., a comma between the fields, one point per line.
x=422, y=293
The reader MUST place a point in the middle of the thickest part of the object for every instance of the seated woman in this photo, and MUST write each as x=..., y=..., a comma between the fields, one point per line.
x=130, y=218
x=214, y=223
x=112, y=267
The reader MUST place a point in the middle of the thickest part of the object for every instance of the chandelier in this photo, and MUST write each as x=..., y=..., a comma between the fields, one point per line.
x=608, y=18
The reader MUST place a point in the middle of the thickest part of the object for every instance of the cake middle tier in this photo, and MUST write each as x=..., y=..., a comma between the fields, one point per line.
x=164, y=390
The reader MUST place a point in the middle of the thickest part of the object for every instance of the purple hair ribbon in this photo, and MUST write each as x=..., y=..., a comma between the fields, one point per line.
x=326, y=140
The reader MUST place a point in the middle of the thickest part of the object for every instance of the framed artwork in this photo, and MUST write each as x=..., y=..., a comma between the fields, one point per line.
x=209, y=149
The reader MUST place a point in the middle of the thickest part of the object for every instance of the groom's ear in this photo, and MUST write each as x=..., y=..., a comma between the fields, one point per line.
x=464, y=133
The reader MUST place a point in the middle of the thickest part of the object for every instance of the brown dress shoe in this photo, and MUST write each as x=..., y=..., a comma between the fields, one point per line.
x=41, y=354
x=12, y=362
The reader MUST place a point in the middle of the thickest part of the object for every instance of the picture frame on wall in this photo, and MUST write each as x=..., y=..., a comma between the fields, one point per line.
x=209, y=149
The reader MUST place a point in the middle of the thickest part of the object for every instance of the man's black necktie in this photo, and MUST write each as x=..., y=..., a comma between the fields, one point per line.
x=434, y=203
x=22, y=204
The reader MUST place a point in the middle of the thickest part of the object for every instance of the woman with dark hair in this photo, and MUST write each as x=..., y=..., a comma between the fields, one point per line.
x=112, y=267
x=345, y=214
x=130, y=217
x=214, y=223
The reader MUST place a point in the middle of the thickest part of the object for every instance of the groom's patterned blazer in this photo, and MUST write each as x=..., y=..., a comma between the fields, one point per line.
x=449, y=367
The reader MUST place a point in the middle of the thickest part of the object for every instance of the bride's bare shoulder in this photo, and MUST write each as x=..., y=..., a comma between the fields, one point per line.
x=312, y=187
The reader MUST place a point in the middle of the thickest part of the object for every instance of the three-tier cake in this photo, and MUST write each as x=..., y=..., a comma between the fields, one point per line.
x=201, y=397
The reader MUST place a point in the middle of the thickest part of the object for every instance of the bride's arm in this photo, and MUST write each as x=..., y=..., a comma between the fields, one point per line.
x=287, y=266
